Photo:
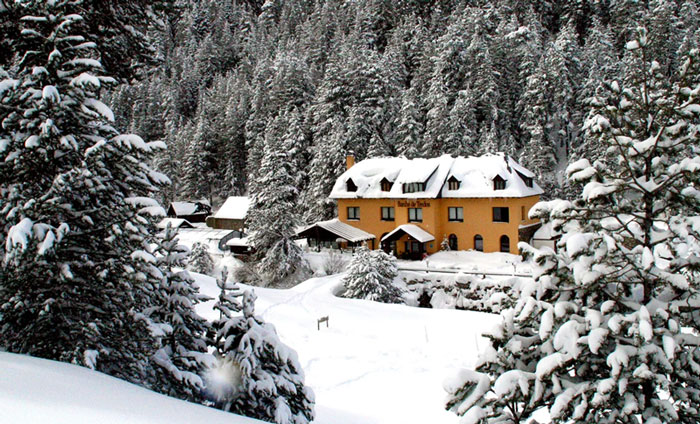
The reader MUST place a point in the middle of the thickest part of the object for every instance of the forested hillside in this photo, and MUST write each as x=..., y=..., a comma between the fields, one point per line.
x=382, y=77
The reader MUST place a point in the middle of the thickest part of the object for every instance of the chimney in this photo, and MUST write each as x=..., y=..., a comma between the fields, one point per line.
x=349, y=160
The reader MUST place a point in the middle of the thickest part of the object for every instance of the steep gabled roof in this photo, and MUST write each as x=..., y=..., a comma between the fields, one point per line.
x=413, y=231
x=174, y=223
x=182, y=208
x=475, y=174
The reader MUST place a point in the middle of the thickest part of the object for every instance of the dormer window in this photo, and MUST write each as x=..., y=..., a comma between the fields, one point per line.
x=413, y=187
x=526, y=180
x=386, y=184
x=453, y=183
x=350, y=185
x=499, y=183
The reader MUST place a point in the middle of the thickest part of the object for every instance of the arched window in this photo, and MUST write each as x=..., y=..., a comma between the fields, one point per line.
x=452, y=239
x=478, y=243
x=505, y=244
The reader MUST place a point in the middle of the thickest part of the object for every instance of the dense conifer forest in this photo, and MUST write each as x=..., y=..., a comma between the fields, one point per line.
x=381, y=77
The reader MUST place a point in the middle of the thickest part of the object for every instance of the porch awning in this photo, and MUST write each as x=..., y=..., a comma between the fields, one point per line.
x=413, y=231
x=332, y=230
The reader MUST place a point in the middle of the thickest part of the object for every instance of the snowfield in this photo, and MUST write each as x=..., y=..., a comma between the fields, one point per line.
x=37, y=391
x=374, y=363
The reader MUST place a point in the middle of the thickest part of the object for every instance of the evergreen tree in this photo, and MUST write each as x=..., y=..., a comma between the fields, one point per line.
x=77, y=211
x=270, y=384
x=606, y=332
x=199, y=259
x=124, y=32
x=328, y=154
x=371, y=276
x=271, y=223
x=182, y=356
x=409, y=129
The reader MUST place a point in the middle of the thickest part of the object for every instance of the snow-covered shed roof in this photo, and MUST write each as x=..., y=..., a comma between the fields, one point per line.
x=546, y=232
x=474, y=174
x=340, y=229
x=181, y=208
x=235, y=207
x=189, y=236
x=412, y=230
x=239, y=242
x=174, y=223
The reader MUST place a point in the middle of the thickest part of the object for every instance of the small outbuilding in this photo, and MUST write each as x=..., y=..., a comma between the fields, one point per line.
x=231, y=215
x=176, y=223
x=240, y=246
x=546, y=236
x=192, y=211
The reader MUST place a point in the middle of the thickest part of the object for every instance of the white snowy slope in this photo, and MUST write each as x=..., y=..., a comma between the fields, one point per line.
x=39, y=391
x=375, y=363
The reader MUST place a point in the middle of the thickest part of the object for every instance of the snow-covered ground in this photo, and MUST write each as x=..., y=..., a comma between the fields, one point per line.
x=39, y=391
x=374, y=363
x=472, y=261
x=462, y=260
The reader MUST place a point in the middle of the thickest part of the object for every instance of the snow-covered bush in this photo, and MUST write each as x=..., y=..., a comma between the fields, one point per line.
x=200, y=260
x=470, y=292
x=334, y=263
x=608, y=331
x=248, y=273
x=371, y=276
x=268, y=382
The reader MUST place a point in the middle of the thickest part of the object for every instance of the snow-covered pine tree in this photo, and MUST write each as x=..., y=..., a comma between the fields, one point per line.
x=272, y=221
x=409, y=129
x=198, y=170
x=329, y=153
x=182, y=354
x=607, y=332
x=269, y=381
x=371, y=276
x=199, y=259
x=76, y=209
x=445, y=244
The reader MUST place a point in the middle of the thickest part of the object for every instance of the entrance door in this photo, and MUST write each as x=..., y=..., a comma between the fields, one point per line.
x=414, y=250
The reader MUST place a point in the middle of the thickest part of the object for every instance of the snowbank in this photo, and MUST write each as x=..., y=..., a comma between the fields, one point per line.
x=39, y=391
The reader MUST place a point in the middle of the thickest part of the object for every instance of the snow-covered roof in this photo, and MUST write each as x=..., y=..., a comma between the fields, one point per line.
x=412, y=230
x=189, y=236
x=545, y=232
x=235, y=207
x=341, y=229
x=475, y=175
x=174, y=223
x=190, y=208
x=241, y=242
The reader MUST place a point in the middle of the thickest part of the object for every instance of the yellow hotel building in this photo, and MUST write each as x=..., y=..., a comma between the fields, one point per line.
x=412, y=205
